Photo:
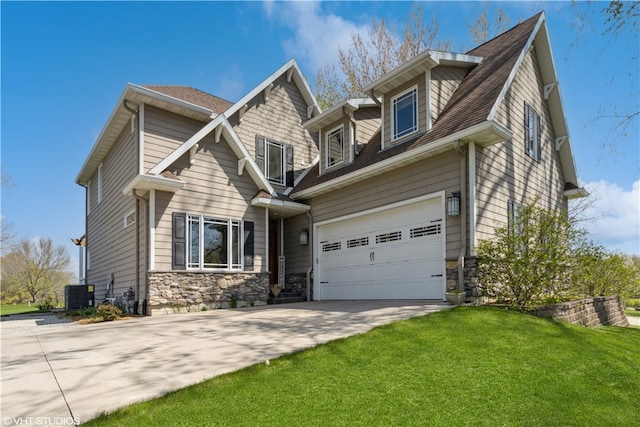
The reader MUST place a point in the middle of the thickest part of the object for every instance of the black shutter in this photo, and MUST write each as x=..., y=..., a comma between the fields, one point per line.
x=179, y=241
x=289, y=158
x=260, y=152
x=538, y=138
x=248, y=245
x=527, y=145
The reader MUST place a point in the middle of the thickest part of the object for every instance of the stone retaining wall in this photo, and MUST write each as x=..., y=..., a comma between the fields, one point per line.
x=180, y=291
x=589, y=312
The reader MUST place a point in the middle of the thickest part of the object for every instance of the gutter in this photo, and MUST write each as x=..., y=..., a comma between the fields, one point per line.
x=410, y=156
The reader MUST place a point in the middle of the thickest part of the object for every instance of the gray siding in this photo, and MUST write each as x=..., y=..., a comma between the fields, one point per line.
x=505, y=171
x=213, y=188
x=367, y=123
x=444, y=82
x=164, y=132
x=435, y=174
x=296, y=255
x=279, y=119
x=111, y=247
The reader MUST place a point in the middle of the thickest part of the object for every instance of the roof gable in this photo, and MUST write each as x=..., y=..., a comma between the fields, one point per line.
x=470, y=111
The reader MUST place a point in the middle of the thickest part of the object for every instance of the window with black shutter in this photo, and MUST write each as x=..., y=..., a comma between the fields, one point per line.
x=179, y=241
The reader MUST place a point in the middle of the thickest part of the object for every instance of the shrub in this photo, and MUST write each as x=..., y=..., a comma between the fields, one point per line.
x=527, y=261
x=108, y=312
x=541, y=257
x=46, y=305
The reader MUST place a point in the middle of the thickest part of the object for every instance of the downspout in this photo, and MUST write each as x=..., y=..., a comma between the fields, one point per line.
x=310, y=269
x=463, y=214
x=134, y=112
x=472, y=196
x=86, y=235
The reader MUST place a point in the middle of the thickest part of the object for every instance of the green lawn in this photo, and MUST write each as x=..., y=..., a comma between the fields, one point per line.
x=632, y=312
x=467, y=366
x=7, y=309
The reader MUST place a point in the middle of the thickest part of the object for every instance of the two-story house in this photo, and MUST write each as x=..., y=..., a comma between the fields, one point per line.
x=195, y=201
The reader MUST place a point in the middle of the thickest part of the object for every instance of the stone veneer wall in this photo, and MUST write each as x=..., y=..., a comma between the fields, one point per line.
x=470, y=276
x=589, y=312
x=181, y=291
x=298, y=283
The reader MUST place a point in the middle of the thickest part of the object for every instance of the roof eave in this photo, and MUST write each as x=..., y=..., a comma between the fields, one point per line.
x=120, y=116
x=147, y=182
x=487, y=133
x=576, y=193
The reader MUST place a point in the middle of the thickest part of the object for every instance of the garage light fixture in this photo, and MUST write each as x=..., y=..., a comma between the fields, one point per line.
x=453, y=204
x=304, y=237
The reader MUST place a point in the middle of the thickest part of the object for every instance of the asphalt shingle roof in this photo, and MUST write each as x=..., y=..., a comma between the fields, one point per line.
x=194, y=96
x=470, y=104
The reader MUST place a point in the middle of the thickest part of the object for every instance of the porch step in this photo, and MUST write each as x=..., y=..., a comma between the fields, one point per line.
x=286, y=297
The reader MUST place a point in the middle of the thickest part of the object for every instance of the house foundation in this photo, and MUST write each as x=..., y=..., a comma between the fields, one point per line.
x=178, y=291
x=471, y=285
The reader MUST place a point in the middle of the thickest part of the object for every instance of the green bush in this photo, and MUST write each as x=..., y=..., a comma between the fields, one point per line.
x=633, y=302
x=541, y=257
x=527, y=261
x=108, y=312
x=46, y=305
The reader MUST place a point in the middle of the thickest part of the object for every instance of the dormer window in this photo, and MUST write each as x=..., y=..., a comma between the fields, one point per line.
x=335, y=147
x=405, y=113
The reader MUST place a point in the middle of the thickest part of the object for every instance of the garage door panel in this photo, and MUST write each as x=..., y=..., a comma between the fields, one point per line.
x=395, y=253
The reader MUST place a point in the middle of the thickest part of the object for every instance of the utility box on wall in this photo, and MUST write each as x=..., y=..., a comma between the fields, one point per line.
x=79, y=296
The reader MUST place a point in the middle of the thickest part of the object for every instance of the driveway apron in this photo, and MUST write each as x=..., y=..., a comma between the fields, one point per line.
x=57, y=373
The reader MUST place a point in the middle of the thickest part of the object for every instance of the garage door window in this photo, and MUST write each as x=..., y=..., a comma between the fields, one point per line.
x=389, y=237
x=429, y=230
x=329, y=247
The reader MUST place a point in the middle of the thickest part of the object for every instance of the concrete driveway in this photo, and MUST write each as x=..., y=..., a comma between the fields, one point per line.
x=56, y=372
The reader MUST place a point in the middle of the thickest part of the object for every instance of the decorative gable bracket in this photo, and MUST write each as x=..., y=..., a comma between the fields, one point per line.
x=310, y=110
x=267, y=92
x=192, y=154
x=241, y=112
x=241, y=164
x=217, y=133
x=290, y=74
x=548, y=88
x=559, y=141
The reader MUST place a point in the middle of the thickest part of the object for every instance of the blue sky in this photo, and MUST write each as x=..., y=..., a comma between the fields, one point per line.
x=64, y=66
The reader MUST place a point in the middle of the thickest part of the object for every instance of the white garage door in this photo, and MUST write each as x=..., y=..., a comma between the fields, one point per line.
x=395, y=253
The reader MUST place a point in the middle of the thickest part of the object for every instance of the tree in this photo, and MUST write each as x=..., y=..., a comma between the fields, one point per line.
x=369, y=58
x=597, y=271
x=487, y=27
x=528, y=259
x=543, y=256
x=620, y=20
x=34, y=268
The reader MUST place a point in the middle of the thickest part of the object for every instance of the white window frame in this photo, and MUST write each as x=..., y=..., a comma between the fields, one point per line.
x=233, y=227
x=340, y=130
x=411, y=92
x=129, y=219
x=283, y=167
